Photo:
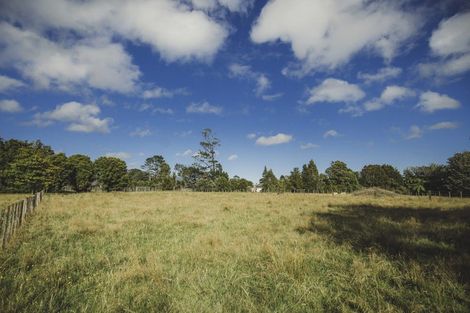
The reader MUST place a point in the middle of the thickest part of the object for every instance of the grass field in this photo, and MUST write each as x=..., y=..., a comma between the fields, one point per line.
x=239, y=252
x=7, y=198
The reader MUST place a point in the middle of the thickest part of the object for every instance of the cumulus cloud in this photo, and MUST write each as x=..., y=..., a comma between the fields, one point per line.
x=414, y=132
x=444, y=125
x=95, y=63
x=89, y=50
x=272, y=97
x=141, y=132
x=119, y=155
x=261, y=80
x=450, y=44
x=232, y=157
x=331, y=133
x=10, y=106
x=430, y=102
x=390, y=95
x=80, y=118
x=382, y=75
x=326, y=34
x=274, y=140
x=308, y=146
x=174, y=30
x=251, y=136
x=335, y=90
x=7, y=83
x=204, y=108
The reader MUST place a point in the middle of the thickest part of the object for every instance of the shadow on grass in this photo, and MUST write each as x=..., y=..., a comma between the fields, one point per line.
x=420, y=234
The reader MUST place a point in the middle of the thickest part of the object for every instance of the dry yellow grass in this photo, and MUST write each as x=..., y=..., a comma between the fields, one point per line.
x=239, y=252
x=9, y=198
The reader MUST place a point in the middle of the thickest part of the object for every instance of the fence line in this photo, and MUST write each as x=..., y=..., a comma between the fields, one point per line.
x=14, y=215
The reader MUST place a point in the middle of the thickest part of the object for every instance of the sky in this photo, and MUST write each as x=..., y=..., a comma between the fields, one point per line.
x=279, y=82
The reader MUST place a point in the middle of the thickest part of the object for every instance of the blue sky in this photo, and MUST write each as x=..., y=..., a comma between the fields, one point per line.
x=280, y=82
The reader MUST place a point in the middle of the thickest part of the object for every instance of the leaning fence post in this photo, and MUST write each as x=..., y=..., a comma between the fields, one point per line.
x=3, y=215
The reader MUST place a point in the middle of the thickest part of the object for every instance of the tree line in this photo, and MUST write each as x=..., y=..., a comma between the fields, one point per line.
x=32, y=166
x=453, y=177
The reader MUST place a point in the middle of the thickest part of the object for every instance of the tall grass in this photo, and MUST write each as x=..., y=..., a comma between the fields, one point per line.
x=239, y=252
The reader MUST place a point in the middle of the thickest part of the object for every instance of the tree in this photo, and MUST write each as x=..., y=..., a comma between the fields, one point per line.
x=433, y=177
x=268, y=181
x=240, y=184
x=205, y=157
x=458, y=167
x=295, y=180
x=342, y=179
x=31, y=170
x=111, y=173
x=82, y=174
x=310, y=177
x=137, y=177
x=188, y=175
x=159, y=172
x=63, y=172
x=384, y=176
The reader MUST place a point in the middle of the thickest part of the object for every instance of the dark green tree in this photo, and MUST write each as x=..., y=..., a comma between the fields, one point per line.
x=295, y=180
x=111, y=173
x=458, y=168
x=310, y=177
x=62, y=174
x=82, y=173
x=342, y=179
x=31, y=170
x=268, y=181
x=137, y=177
x=384, y=176
x=159, y=172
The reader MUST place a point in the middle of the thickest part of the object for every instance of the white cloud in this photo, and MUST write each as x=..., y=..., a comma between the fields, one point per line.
x=119, y=155
x=81, y=118
x=308, y=146
x=93, y=63
x=450, y=43
x=160, y=92
x=326, y=34
x=389, y=95
x=335, y=90
x=171, y=28
x=444, y=125
x=251, y=136
x=395, y=93
x=452, y=36
x=7, y=83
x=141, y=132
x=331, y=133
x=244, y=71
x=232, y=157
x=415, y=132
x=186, y=153
x=432, y=101
x=274, y=140
x=383, y=74
x=204, y=108
x=10, y=106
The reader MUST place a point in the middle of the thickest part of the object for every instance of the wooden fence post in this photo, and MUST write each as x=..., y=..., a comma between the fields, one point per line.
x=3, y=229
